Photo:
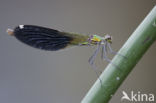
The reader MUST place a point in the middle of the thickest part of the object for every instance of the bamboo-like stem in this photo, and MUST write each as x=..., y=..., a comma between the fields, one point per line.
x=135, y=47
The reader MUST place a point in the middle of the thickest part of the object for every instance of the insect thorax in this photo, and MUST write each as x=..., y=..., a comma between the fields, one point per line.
x=93, y=40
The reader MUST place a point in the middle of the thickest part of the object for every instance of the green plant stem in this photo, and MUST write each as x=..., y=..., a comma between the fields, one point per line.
x=135, y=47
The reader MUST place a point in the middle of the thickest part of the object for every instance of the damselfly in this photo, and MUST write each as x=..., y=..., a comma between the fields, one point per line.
x=52, y=40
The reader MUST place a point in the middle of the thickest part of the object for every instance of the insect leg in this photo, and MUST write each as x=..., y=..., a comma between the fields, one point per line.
x=104, y=55
x=92, y=58
x=92, y=62
x=114, y=52
x=95, y=70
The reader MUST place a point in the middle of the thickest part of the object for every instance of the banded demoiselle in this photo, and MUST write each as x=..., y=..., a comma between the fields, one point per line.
x=53, y=40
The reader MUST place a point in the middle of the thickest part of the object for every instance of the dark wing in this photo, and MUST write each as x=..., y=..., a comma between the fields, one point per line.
x=41, y=37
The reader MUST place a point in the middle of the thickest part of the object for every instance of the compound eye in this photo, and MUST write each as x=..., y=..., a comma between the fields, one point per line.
x=110, y=38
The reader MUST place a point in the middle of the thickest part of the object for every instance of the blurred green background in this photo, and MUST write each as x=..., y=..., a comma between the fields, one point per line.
x=29, y=75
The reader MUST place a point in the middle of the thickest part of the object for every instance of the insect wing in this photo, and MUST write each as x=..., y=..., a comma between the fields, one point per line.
x=41, y=37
